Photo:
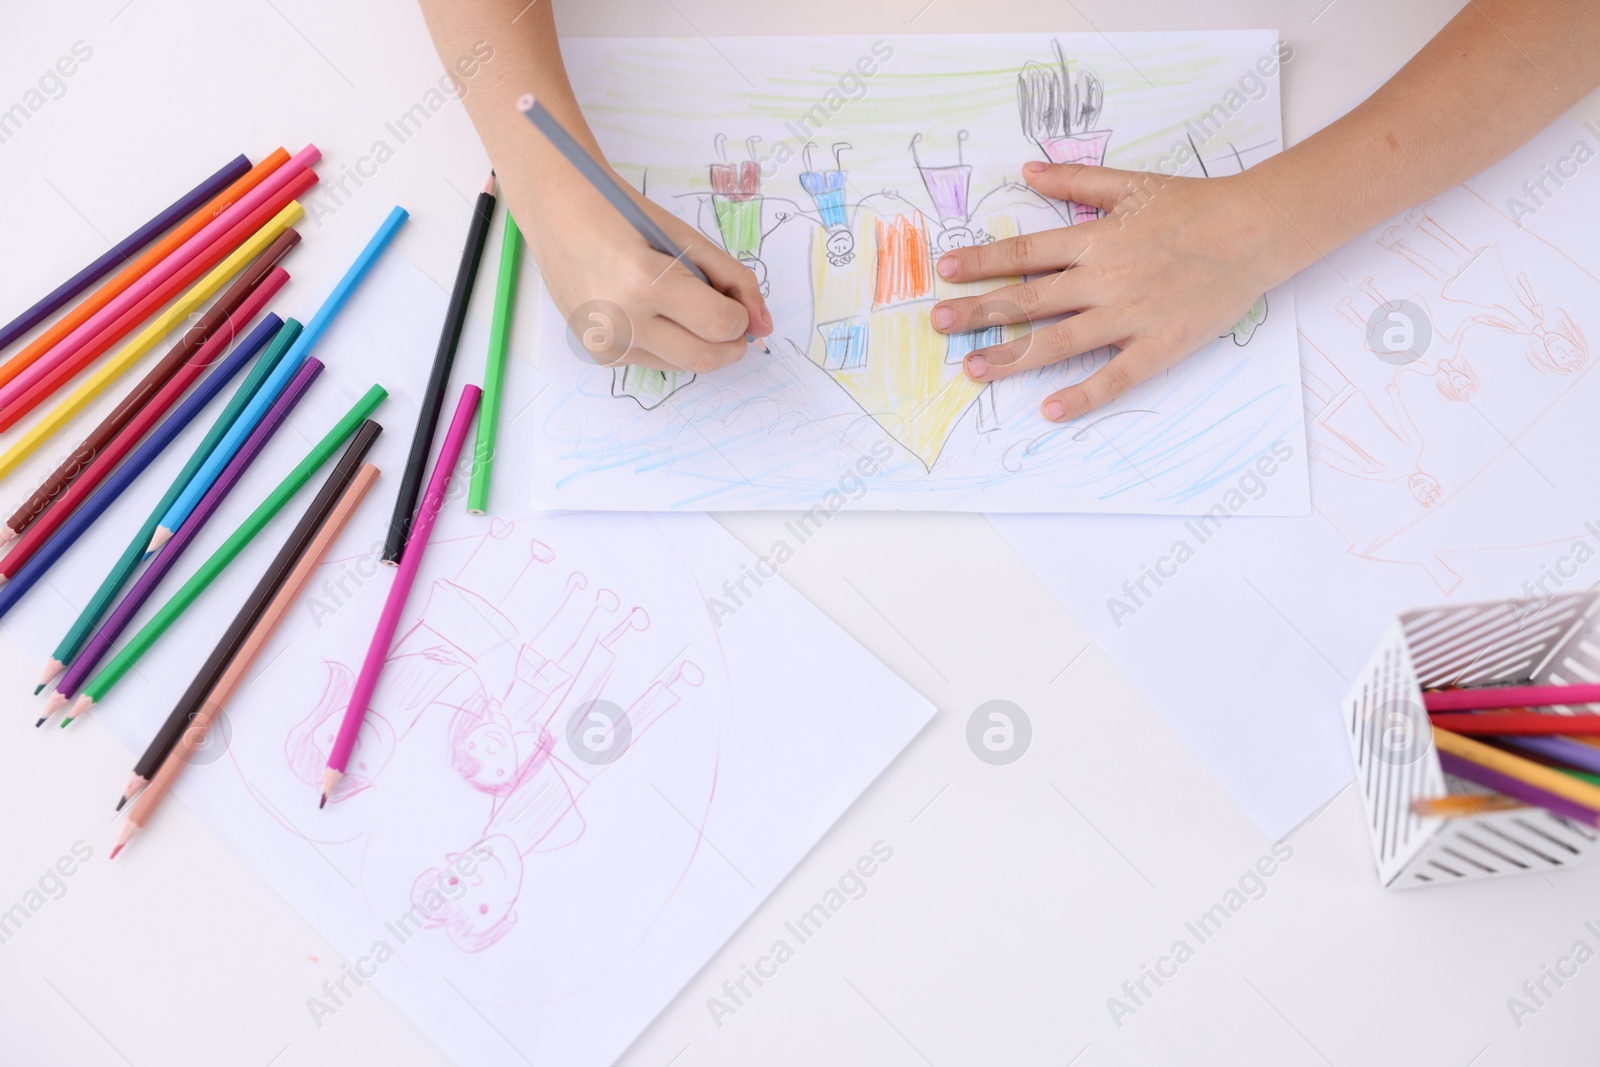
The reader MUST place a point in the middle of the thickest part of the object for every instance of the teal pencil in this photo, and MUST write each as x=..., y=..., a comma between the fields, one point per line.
x=128, y=562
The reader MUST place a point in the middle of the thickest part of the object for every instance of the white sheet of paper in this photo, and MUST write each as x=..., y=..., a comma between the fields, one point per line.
x=1453, y=462
x=589, y=892
x=915, y=146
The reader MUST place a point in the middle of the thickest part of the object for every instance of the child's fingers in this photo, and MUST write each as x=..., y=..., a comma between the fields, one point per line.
x=669, y=341
x=1025, y=302
x=1031, y=253
x=698, y=308
x=1099, y=187
x=1072, y=336
x=1127, y=369
x=737, y=281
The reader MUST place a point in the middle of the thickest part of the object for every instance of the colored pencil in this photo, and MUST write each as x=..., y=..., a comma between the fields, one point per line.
x=139, y=268
x=170, y=394
x=174, y=263
x=1461, y=805
x=494, y=369
x=615, y=193
x=258, y=229
x=444, y=357
x=124, y=250
x=1515, y=766
x=219, y=314
x=1518, y=788
x=405, y=577
x=1583, y=757
x=1532, y=722
x=191, y=738
x=302, y=347
x=140, y=643
x=128, y=562
x=119, y=618
x=233, y=638
x=1513, y=696
x=24, y=578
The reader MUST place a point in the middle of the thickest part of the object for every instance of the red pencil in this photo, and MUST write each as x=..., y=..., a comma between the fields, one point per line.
x=1511, y=696
x=1513, y=722
x=214, y=253
x=141, y=424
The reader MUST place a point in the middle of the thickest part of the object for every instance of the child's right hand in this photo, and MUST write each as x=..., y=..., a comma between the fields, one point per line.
x=595, y=264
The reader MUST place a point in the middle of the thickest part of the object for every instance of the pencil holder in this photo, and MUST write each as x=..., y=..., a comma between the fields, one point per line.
x=1502, y=643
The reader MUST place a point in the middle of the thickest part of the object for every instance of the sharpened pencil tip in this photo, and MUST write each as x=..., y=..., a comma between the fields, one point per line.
x=39, y=688
x=120, y=802
x=66, y=722
x=42, y=720
x=323, y=802
x=114, y=850
x=162, y=536
x=488, y=186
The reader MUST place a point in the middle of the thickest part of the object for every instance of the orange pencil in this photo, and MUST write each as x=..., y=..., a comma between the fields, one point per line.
x=228, y=683
x=140, y=267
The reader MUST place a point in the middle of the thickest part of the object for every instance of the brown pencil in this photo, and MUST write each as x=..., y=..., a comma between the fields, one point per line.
x=287, y=594
x=123, y=413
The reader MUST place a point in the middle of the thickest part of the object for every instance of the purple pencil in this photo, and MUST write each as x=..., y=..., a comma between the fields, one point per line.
x=1518, y=789
x=98, y=645
x=1572, y=753
x=124, y=250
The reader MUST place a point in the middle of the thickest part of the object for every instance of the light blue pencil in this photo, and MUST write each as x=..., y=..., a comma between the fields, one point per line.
x=286, y=369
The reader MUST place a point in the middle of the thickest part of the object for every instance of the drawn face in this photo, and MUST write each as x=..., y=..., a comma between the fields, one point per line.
x=1457, y=380
x=1425, y=488
x=841, y=246
x=760, y=270
x=1565, y=356
x=954, y=237
x=487, y=757
x=476, y=909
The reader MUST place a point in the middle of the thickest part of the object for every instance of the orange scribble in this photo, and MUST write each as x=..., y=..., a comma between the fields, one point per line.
x=904, y=269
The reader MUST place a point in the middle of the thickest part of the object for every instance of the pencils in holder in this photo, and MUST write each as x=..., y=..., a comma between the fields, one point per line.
x=444, y=357
x=494, y=370
x=395, y=605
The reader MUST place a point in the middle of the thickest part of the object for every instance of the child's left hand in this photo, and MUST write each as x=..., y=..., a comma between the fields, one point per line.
x=1170, y=268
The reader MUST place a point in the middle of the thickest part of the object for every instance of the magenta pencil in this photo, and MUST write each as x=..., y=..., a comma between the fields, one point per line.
x=180, y=258
x=405, y=577
x=1511, y=696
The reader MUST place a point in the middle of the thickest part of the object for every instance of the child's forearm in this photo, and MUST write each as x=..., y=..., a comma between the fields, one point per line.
x=527, y=58
x=1499, y=72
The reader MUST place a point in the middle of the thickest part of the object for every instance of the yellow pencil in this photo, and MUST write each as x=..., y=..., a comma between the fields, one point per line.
x=1534, y=774
x=136, y=349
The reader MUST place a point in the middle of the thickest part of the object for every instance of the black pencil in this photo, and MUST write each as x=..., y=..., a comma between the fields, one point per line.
x=304, y=533
x=405, y=504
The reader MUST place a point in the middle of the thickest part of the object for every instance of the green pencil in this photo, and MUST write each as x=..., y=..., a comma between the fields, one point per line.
x=123, y=569
x=494, y=370
x=113, y=671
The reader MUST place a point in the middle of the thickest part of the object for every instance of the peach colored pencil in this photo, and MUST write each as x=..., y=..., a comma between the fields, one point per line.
x=226, y=685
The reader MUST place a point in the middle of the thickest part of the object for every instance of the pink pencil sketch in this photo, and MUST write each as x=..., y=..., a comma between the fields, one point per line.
x=529, y=725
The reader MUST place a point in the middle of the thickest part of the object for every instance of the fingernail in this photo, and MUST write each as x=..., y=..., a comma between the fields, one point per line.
x=1034, y=166
x=977, y=366
x=1055, y=410
x=943, y=317
x=947, y=266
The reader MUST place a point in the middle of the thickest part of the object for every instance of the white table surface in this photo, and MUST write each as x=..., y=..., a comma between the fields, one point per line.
x=1019, y=898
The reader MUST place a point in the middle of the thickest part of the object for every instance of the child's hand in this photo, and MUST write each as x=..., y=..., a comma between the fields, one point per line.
x=673, y=321
x=1172, y=267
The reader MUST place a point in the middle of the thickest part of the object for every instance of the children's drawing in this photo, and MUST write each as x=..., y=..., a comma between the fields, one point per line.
x=843, y=215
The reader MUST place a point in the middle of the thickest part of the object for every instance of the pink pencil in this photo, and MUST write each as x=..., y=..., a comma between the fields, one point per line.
x=136, y=292
x=1515, y=696
x=405, y=576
